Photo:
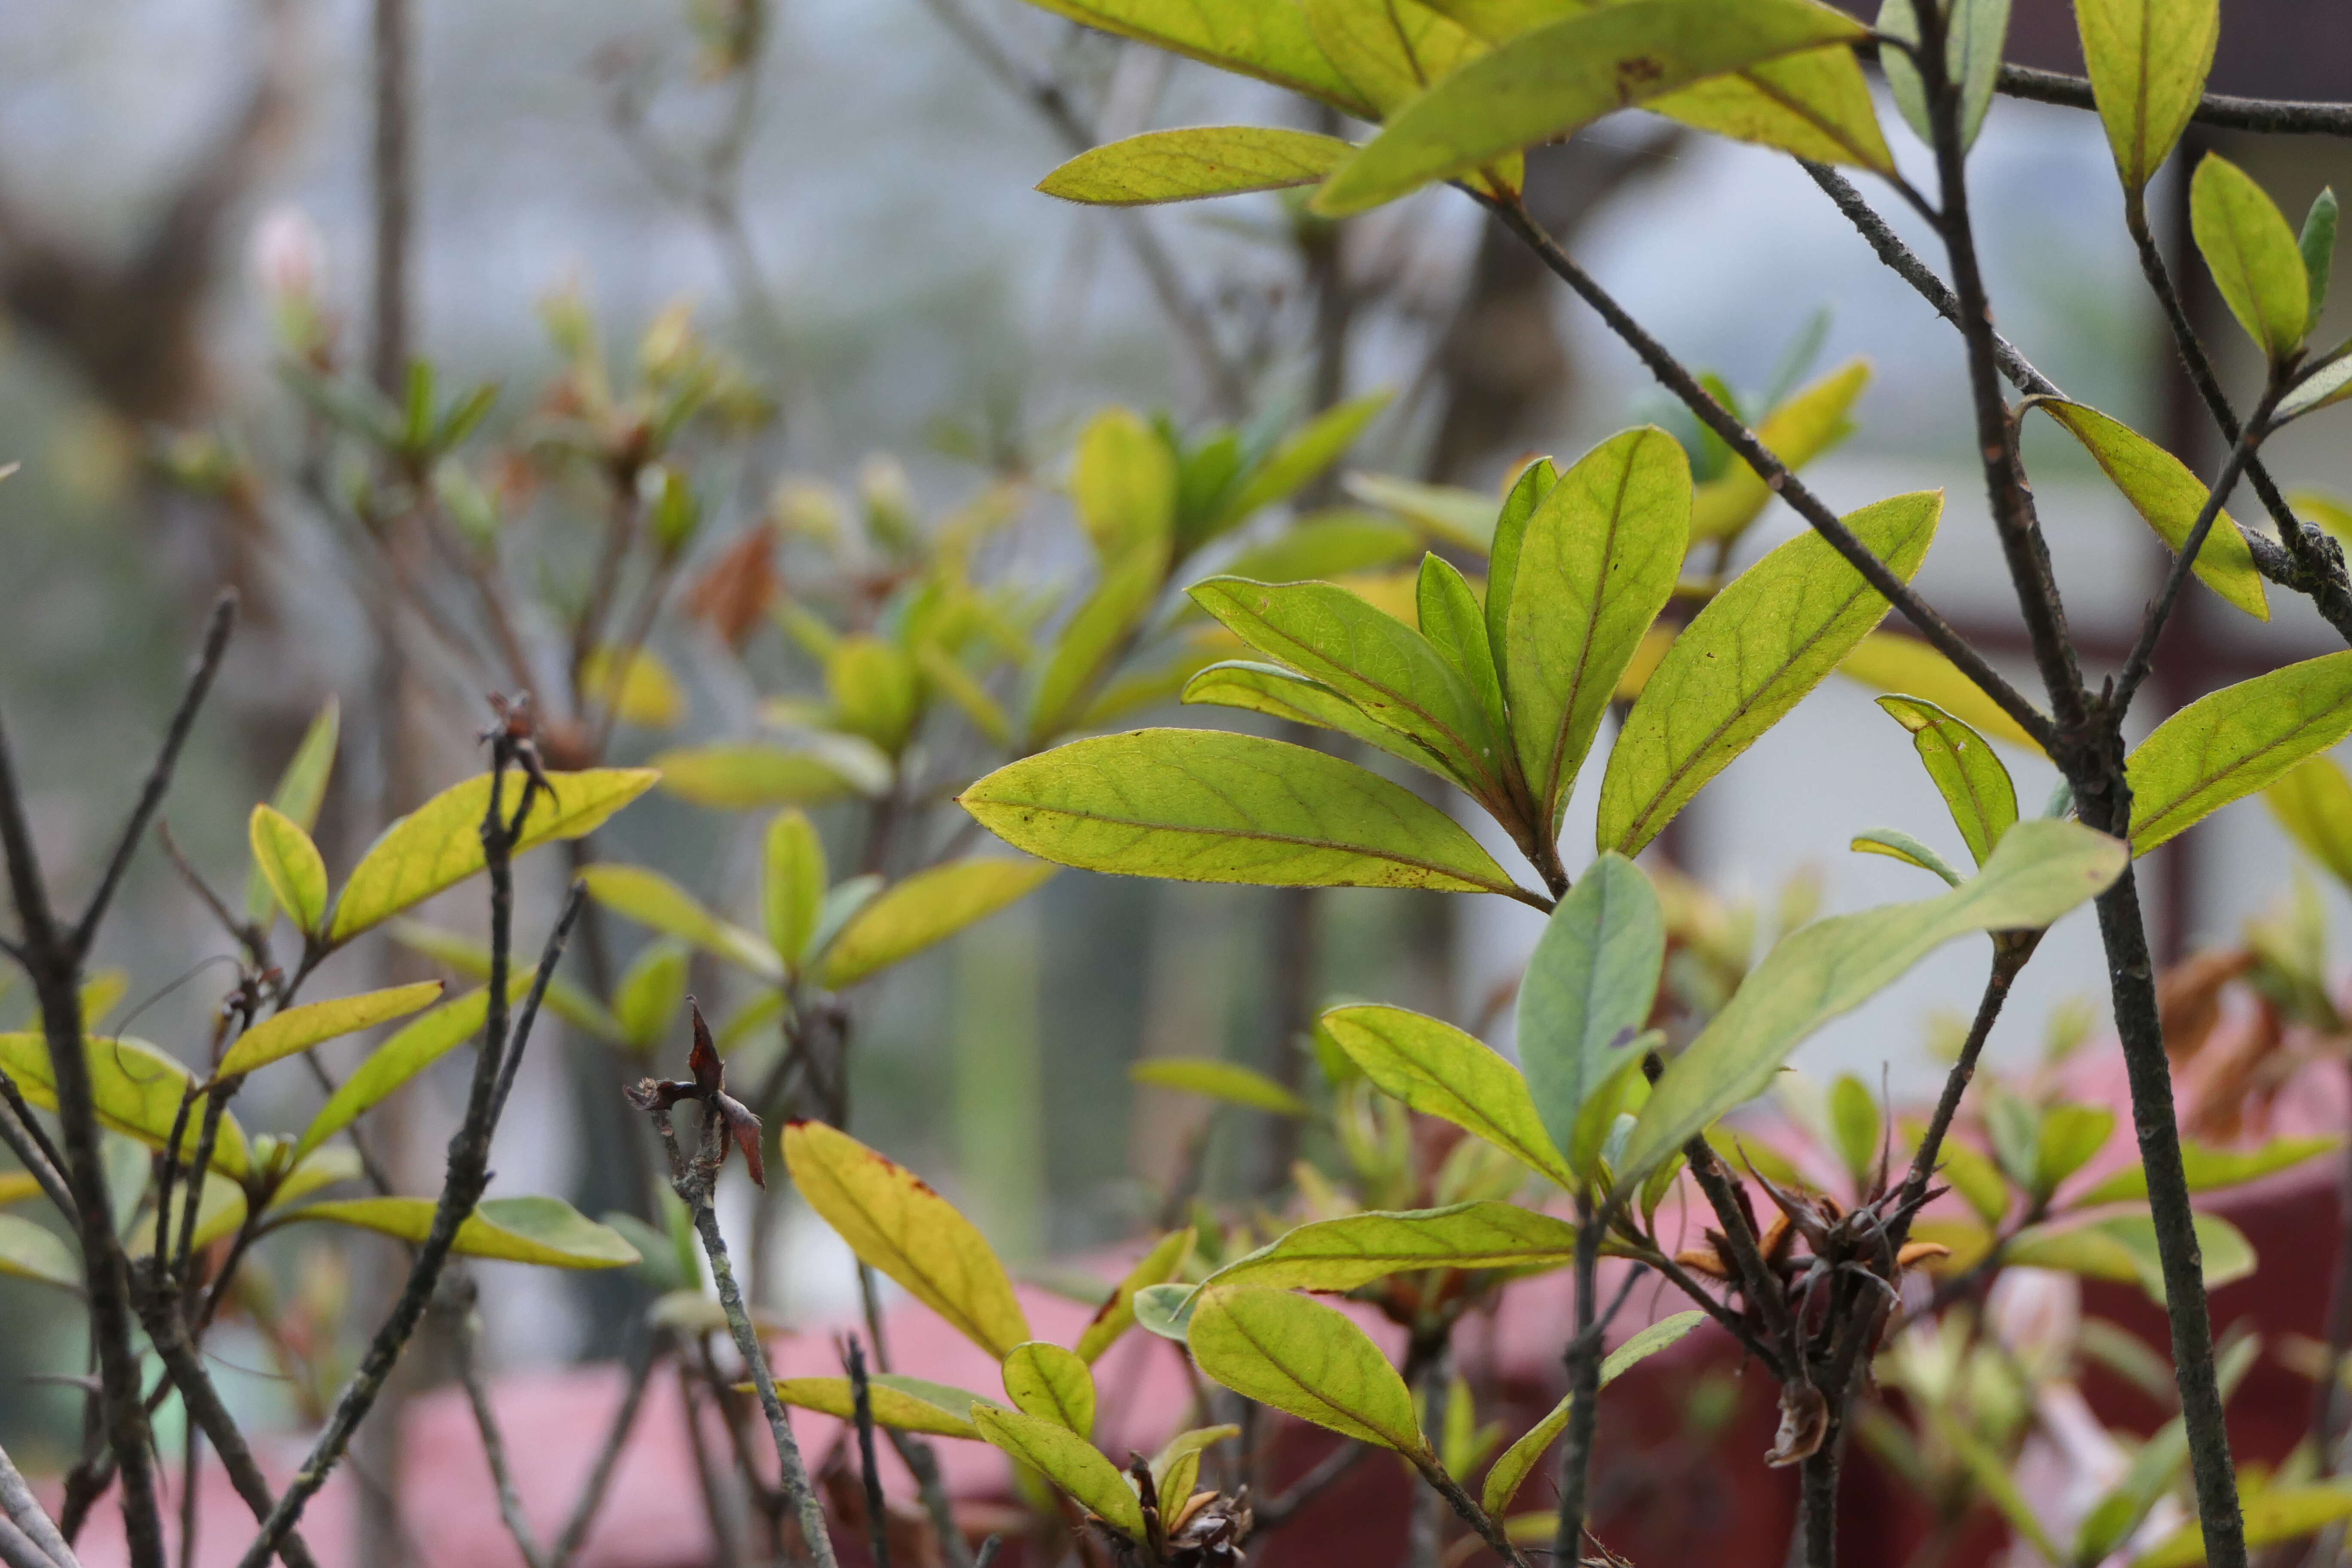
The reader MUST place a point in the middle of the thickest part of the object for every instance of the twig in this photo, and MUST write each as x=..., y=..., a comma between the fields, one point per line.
x=1583, y=1388
x=2276, y=117
x=30, y=1143
x=470, y=1152
x=693, y=1184
x=185, y=1368
x=24, y=1511
x=2007, y=961
x=465, y=1345
x=600, y=1474
x=877, y=1522
x=1278, y=1511
x=1677, y=379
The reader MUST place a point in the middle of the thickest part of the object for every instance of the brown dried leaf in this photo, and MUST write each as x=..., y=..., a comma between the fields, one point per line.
x=1804, y=1422
x=2189, y=997
x=734, y=594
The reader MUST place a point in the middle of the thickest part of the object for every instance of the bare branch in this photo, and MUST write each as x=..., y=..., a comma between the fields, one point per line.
x=2275, y=117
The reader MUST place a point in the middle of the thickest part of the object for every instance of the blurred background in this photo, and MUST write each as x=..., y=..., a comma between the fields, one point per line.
x=840, y=193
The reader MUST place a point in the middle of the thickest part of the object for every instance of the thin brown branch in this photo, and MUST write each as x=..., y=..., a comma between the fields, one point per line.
x=169, y=1333
x=24, y=1511
x=2274, y=117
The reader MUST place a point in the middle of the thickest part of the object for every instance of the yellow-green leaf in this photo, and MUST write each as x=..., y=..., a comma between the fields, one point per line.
x=1596, y=564
x=301, y=789
x=928, y=907
x=2148, y=62
x=792, y=884
x=1186, y=165
x=136, y=1088
x=1123, y=485
x=1263, y=38
x=32, y=1251
x=2123, y=1248
x=439, y=844
x=1814, y=420
x=1301, y=1356
x=640, y=691
x=1389, y=50
x=472, y=960
x=905, y=1404
x=1372, y=659
x=1202, y=806
x=1590, y=986
x=1447, y=512
x=1511, y=1470
x=893, y=1220
x=291, y=866
x=744, y=775
x=1095, y=635
x=1285, y=694
x=2312, y=800
x=1747, y=659
x=2209, y=1169
x=1224, y=1080
x=652, y=899
x=2234, y=743
x=1177, y=1466
x=1975, y=784
x=1897, y=845
x=2043, y=868
x=417, y=1046
x=1067, y=1460
x=2252, y=252
x=15, y=1186
x=1301, y=455
x=1815, y=104
x=1356, y=1250
x=1325, y=547
x=296, y=1029
x=1898, y=664
x=1045, y=1381
x=545, y=1231
x=1117, y=1315
x=1544, y=84
x=1441, y=1071
x=648, y=995
x=2168, y=498
x=2273, y=1514
x=876, y=692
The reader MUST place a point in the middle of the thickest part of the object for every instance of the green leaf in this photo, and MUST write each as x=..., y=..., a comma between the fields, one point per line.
x=2122, y=1248
x=299, y=1028
x=748, y=774
x=2148, y=62
x=893, y=1220
x=1902, y=665
x=958, y=684
x=1389, y=50
x=32, y=1251
x=792, y=884
x=545, y=1231
x=646, y=999
x=2234, y=743
x=2072, y=1137
x=1045, y=1381
x=1123, y=485
x=2210, y=1169
x=652, y=899
x=1358, y=1248
x=439, y=844
x=1201, y=806
x=876, y=692
x=1305, y=453
x=2255, y=260
x=1177, y=1466
x=1813, y=420
x=1166, y=1310
x=1374, y=660
x=1747, y=659
x=903, y=1404
x=1069, y=1461
x=1256, y=38
x=1328, y=546
x=1596, y=564
x=1975, y=783
x=1307, y=1359
x=1590, y=986
x=2168, y=498
x=2273, y=1514
x=2312, y=800
x=2041, y=869
x=424, y=1040
x=1441, y=1071
x=2328, y=384
x=1855, y=1124
x=928, y=907
x=1975, y=31
x=1446, y=513
x=1975, y=1178
x=1228, y=1081
x=1992, y=1474
x=1282, y=694
x=1511, y=1470
x=1897, y=845
x=1092, y=640
x=2317, y=243
x=290, y=865
x=1202, y=161
x=1454, y=622
x=301, y=789
x=472, y=960
x=1544, y=84
x=136, y=1088
x=1117, y=1315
